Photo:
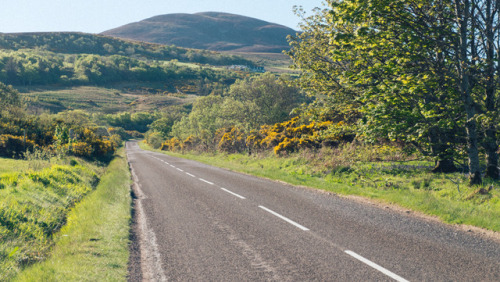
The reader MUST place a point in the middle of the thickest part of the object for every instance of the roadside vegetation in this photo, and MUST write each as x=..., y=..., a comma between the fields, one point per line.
x=380, y=173
x=93, y=245
x=34, y=205
x=50, y=162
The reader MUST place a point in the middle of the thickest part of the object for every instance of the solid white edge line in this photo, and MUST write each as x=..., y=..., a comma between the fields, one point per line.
x=190, y=174
x=376, y=266
x=206, y=181
x=284, y=218
x=232, y=193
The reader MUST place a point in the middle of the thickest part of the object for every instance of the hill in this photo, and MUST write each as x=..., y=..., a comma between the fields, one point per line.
x=85, y=43
x=210, y=30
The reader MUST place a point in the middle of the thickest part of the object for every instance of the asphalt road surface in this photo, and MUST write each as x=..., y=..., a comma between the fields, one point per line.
x=194, y=222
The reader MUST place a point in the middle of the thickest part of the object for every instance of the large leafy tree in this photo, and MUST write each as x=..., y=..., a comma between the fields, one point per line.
x=417, y=71
x=369, y=57
x=271, y=97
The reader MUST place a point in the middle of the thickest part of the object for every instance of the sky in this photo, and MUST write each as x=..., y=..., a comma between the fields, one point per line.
x=95, y=16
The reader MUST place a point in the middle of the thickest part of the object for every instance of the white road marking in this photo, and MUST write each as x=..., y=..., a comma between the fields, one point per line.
x=180, y=170
x=232, y=193
x=284, y=218
x=172, y=166
x=206, y=181
x=376, y=266
x=190, y=174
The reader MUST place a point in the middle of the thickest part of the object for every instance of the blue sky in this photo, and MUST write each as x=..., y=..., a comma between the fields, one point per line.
x=95, y=16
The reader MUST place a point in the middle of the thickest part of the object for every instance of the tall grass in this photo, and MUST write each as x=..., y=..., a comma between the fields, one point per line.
x=33, y=206
x=93, y=245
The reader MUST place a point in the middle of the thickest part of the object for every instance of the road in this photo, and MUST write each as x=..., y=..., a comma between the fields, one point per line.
x=194, y=222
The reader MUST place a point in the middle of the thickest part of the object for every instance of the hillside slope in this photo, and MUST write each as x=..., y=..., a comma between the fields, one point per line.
x=209, y=30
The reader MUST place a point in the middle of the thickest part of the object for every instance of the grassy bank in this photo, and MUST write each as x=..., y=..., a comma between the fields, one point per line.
x=34, y=206
x=93, y=245
x=408, y=184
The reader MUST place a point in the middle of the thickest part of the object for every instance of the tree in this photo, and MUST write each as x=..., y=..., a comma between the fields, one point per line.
x=368, y=57
x=271, y=96
x=419, y=71
x=487, y=16
x=9, y=96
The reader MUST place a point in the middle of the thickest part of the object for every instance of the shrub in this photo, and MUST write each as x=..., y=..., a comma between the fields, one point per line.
x=154, y=139
x=190, y=143
x=14, y=146
x=172, y=144
x=233, y=140
x=81, y=149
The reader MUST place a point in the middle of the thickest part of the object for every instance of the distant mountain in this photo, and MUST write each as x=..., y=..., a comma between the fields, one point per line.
x=210, y=30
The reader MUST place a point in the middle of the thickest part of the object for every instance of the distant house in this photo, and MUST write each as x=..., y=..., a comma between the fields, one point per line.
x=247, y=68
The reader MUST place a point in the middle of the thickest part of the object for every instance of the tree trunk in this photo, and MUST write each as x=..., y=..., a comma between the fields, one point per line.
x=490, y=142
x=445, y=166
x=440, y=149
x=464, y=69
x=492, y=169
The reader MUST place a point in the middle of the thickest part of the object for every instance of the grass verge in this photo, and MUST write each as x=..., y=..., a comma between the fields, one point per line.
x=93, y=245
x=407, y=184
x=12, y=165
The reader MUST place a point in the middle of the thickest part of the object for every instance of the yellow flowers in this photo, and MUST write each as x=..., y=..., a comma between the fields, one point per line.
x=285, y=137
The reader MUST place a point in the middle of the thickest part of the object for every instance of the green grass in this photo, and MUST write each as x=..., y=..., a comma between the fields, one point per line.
x=12, y=165
x=407, y=184
x=33, y=206
x=93, y=246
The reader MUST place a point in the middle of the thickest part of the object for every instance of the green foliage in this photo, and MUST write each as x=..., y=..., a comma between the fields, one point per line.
x=403, y=69
x=69, y=132
x=81, y=43
x=93, y=245
x=33, y=207
x=34, y=67
x=247, y=105
x=155, y=139
x=136, y=121
x=9, y=96
x=271, y=97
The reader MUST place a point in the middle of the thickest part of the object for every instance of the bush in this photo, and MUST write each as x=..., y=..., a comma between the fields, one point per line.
x=172, y=144
x=14, y=146
x=233, y=140
x=154, y=139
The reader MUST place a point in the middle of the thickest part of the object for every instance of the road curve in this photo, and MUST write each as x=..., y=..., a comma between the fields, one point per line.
x=197, y=222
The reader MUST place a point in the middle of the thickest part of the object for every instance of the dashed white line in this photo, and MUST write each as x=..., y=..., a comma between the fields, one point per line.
x=232, y=193
x=180, y=170
x=172, y=166
x=285, y=219
x=206, y=181
x=376, y=266
x=190, y=174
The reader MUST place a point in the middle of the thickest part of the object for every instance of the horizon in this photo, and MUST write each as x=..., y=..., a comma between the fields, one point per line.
x=93, y=16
